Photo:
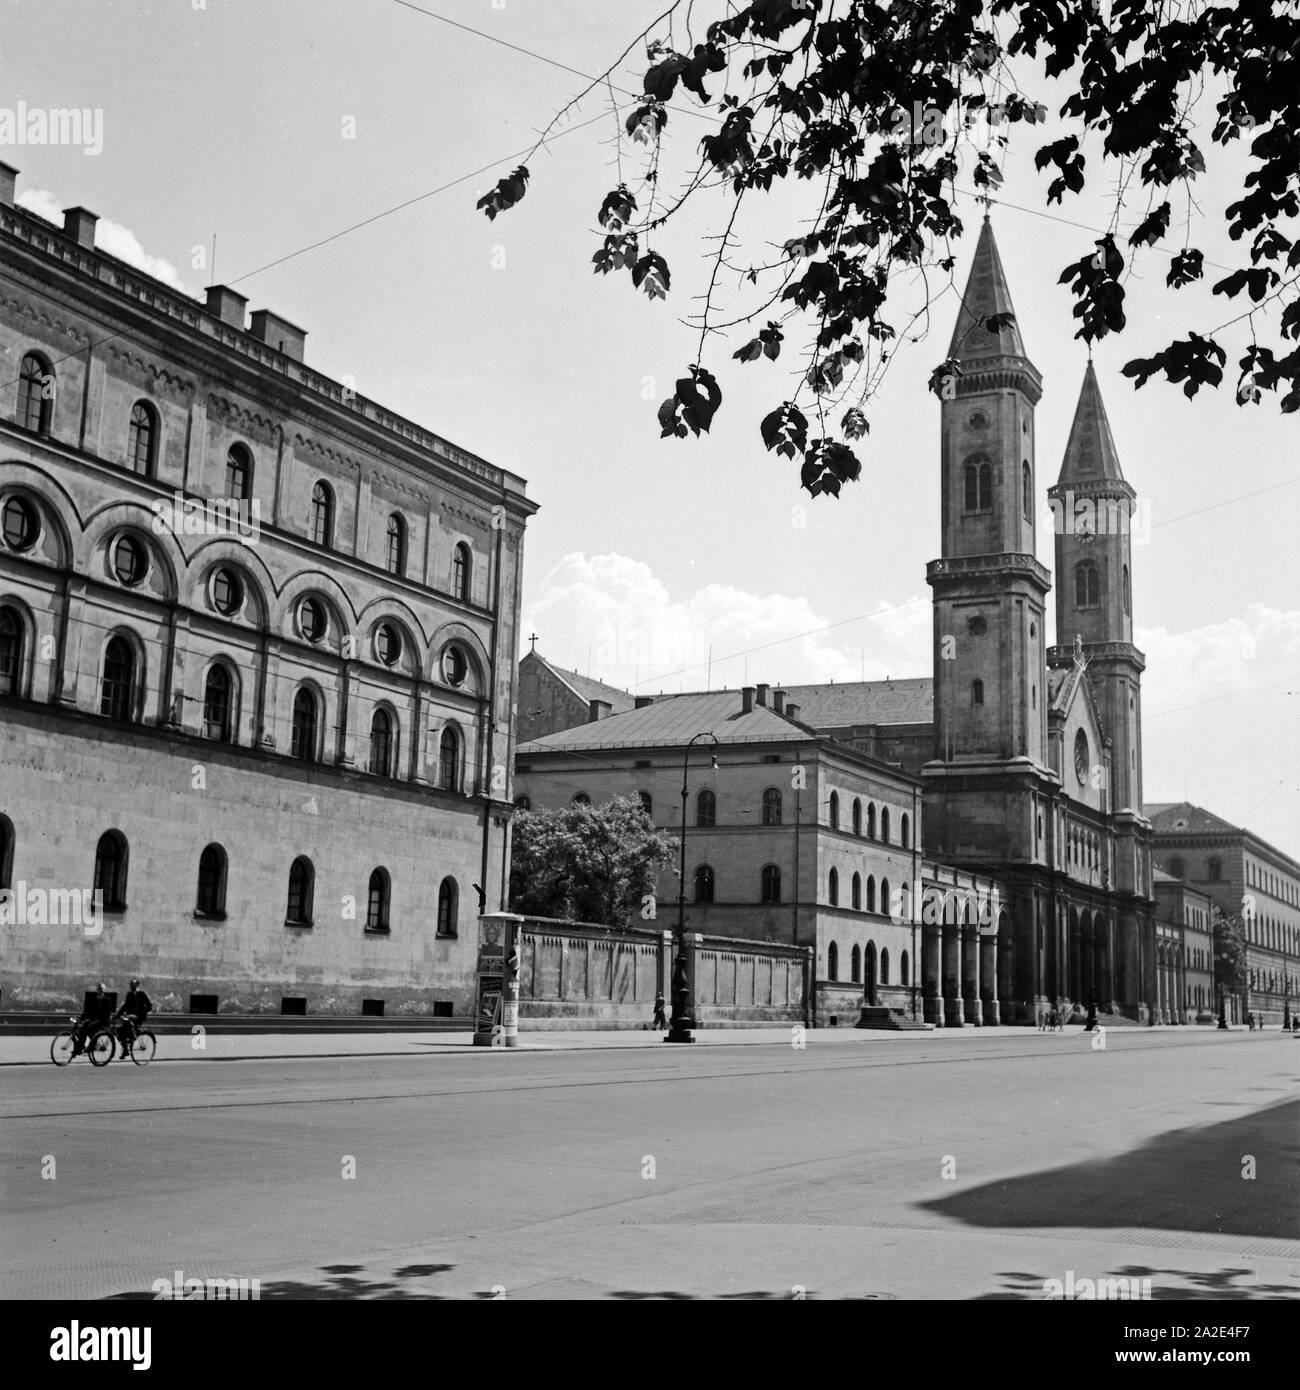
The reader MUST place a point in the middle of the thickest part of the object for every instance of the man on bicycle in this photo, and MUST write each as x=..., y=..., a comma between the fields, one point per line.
x=96, y=1013
x=136, y=1007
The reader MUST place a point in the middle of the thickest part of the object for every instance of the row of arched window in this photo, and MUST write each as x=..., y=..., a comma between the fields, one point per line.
x=833, y=817
x=855, y=892
x=1274, y=884
x=977, y=484
x=112, y=859
x=1087, y=586
x=36, y=391
x=855, y=964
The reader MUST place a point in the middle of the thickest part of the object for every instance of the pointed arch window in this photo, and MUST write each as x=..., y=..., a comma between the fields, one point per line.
x=396, y=545
x=117, y=689
x=905, y=832
x=381, y=743
x=302, y=744
x=704, y=884
x=210, y=901
x=143, y=439
x=835, y=811
x=871, y=893
x=706, y=809
x=855, y=888
x=322, y=515
x=904, y=969
x=11, y=652
x=302, y=886
x=218, y=705
x=1128, y=596
x=35, y=394
x=447, y=896
x=110, y=870
x=449, y=760
x=884, y=825
x=855, y=965
x=833, y=888
x=884, y=966
x=832, y=962
x=377, y=897
x=884, y=896
x=1087, y=585
x=857, y=816
x=769, y=884
x=461, y=572
x=1027, y=490
x=239, y=473
x=772, y=806
x=871, y=821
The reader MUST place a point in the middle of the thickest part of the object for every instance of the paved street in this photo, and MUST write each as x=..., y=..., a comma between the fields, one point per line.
x=637, y=1171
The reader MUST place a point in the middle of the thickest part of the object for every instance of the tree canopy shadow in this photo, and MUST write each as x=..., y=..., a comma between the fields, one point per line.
x=1166, y=1284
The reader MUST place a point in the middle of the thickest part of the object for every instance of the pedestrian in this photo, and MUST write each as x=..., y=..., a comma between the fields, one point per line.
x=660, y=1018
x=1250, y=1020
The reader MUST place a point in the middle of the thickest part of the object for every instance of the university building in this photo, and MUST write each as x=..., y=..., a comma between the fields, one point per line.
x=257, y=641
x=1015, y=766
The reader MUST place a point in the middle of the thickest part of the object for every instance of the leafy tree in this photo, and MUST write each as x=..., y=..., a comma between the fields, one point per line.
x=1229, y=954
x=868, y=108
x=586, y=863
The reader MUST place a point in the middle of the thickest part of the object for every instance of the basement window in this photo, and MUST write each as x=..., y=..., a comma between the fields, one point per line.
x=372, y=1008
x=442, y=1008
x=203, y=1003
x=293, y=1008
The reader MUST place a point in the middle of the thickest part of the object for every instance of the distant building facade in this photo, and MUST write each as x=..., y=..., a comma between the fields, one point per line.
x=256, y=657
x=1185, y=952
x=552, y=698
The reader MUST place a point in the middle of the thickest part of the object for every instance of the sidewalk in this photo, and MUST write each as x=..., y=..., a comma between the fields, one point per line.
x=247, y=1047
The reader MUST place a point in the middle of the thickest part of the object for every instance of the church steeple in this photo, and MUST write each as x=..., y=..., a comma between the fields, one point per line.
x=1090, y=454
x=986, y=294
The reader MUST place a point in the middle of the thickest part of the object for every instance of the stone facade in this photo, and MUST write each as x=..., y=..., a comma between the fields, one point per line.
x=256, y=655
x=1186, y=963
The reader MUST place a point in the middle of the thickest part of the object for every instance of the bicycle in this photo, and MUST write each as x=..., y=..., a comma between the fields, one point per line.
x=139, y=1044
x=99, y=1046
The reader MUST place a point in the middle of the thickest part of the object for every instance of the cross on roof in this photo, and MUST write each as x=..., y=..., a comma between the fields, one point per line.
x=532, y=641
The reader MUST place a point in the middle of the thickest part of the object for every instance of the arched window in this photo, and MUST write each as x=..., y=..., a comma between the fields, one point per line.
x=855, y=890
x=647, y=803
x=449, y=760
x=35, y=394
x=832, y=962
x=884, y=966
x=1214, y=870
x=884, y=824
x=871, y=893
x=218, y=704
x=377, y=901
x=979, y=487
x=322, y=514
x=19, y=524
x=6, y=852
x=11, y=652
x=239, y=473
x=835, y=811
x=447, y=896
x=117, y=689
x=381, y=743
x=396, y=545
x=871, y=821
x=461, y=574
x=1027, y=501
x=904, y=970
x=704, y=884
x=1087, y=585
x=211, y=898
x=772, y=806
x=833, y=888
x=769, y=884
x=581, y=799
x=855, y=965
x=884, y=896
x=302, y=885
x=977, y=691
x=1128, y=597
x=905, y=832
x=857, y=816
x=302, y=744
x=706, y=808
x=523, y=803
x=110, y=870
x=142, y=446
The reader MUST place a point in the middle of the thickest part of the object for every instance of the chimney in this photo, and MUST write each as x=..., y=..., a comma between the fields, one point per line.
x=762, y=695
x=643, y=700
x=8, y=178
x=747, y=700
x=227, y=305
x=792, y=712
x=778, y=701
x=277, y=333
x=598, y=709
x=79, y=224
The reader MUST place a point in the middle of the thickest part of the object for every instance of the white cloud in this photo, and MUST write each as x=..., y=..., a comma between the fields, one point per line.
x=609, y=616
x=110, y=237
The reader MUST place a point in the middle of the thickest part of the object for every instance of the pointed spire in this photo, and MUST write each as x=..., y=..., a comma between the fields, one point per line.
x=986, y=294
x=1090, y=455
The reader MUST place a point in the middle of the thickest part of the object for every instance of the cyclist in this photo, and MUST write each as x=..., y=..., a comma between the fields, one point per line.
x=98, y=1011
x=136, y=1007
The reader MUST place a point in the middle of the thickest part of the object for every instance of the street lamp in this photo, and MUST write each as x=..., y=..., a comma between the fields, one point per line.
x=683, y=1020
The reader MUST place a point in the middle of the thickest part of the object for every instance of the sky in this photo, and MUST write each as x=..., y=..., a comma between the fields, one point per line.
x=661, y=564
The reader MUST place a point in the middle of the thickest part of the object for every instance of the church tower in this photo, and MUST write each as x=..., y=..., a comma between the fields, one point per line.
x=989, y=588
x=1092, y=511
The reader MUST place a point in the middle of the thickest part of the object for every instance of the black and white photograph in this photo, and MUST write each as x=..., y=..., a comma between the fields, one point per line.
x=650, y=652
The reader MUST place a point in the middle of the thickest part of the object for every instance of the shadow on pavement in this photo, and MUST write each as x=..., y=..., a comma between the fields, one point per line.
x=1166, y=1284
x=1193, y=1179
x=337, y=1282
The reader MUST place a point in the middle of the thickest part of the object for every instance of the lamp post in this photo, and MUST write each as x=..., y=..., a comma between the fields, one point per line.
x=679, y=1030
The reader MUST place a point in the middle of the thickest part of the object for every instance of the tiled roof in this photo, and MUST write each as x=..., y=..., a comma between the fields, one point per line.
x=864, y=702
x=1181, y=817
x=672, y=721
